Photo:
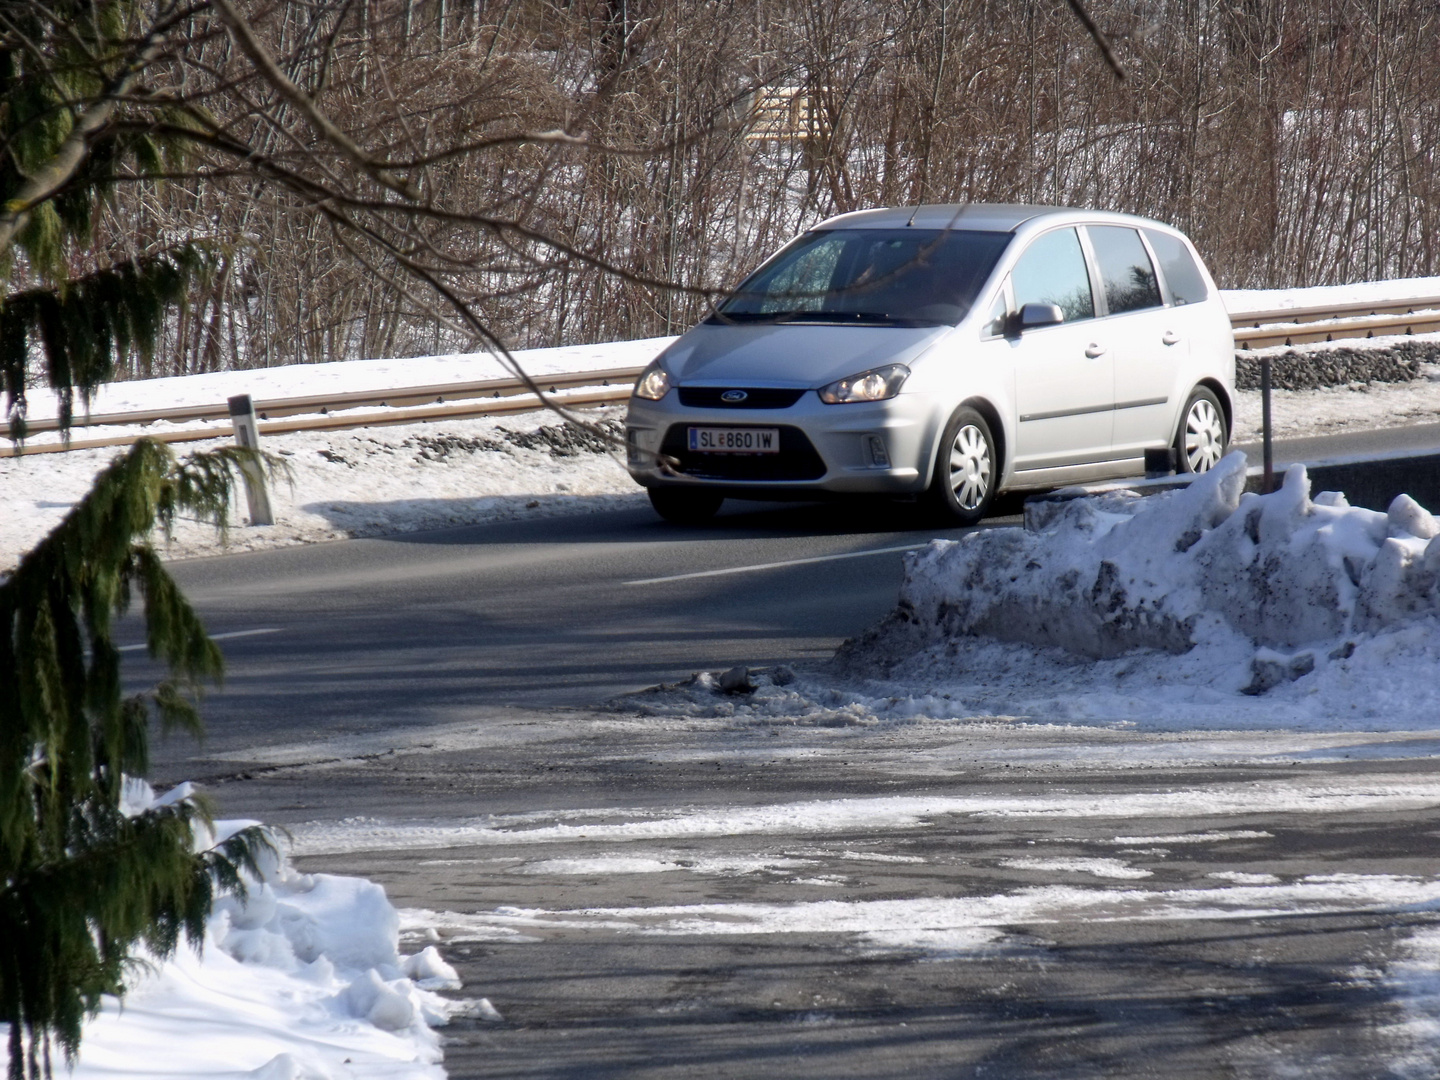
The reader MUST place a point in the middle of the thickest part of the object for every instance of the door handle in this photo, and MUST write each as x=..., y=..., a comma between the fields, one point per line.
x=1170, y=338
x=1093, y=350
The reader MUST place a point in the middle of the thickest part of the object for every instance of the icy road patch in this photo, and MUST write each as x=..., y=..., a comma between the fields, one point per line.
x=864, y=815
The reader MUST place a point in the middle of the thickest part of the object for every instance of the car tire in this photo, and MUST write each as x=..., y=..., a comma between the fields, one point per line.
x=685, y=506
x=1202, y=438
x=967, y=470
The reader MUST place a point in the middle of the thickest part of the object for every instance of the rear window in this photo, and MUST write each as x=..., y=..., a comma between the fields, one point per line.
x=1183, y=279
x=895, y=277
x=1125, y=269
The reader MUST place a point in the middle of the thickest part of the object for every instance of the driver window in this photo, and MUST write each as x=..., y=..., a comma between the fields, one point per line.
x=1053, y=271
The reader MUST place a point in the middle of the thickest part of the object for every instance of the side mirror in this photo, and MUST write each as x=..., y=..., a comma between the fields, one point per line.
x=1037, y=315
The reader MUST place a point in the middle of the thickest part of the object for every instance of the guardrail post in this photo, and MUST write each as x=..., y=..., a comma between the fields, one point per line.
x=1269, y=485
x=247, y=435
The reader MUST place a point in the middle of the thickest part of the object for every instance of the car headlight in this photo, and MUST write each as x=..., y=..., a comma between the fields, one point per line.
x=654, y=382
x=877, y=384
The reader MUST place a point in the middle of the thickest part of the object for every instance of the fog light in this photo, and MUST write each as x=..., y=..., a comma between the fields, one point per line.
x=876, y=448
x=637, y=456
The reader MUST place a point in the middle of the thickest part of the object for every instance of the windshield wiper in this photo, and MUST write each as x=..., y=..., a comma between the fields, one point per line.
x=824, y=318
x=844, y=318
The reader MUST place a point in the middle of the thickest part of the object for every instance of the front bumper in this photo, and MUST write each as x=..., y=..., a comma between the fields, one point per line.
x=880, y=447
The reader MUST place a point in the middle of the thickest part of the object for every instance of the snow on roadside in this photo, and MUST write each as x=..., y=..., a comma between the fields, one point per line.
x=1199, y=607
x=346, y=376
x=367, y=482
x=302, y=981
x=1244, y=301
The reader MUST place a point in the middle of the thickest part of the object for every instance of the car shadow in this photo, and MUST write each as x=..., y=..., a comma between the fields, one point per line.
x=570, y=519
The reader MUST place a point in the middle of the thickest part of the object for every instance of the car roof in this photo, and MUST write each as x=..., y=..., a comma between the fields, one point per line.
x=981, y=217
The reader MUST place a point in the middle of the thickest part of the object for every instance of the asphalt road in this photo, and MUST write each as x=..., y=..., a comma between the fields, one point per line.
x=451, y=676
x=376, y=635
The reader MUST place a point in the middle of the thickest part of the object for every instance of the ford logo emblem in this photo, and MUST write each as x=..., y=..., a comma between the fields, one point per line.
x=733, y=397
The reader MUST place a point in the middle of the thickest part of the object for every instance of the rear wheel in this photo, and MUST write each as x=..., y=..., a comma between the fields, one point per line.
x=685, y=506
x=1201, y=441
x=967, y=469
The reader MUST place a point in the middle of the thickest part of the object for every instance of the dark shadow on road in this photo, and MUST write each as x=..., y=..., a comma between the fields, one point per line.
x=591, y=519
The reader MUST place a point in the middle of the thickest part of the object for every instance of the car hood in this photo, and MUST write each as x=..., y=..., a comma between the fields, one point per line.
x=803, y=355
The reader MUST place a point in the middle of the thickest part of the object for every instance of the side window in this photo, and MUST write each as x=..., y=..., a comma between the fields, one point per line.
x=1052, y=271
x=1183, y=279
x=1125, y=269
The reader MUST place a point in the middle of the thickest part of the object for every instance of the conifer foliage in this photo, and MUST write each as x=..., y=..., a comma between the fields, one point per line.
x=74, y=120
x=85, y=880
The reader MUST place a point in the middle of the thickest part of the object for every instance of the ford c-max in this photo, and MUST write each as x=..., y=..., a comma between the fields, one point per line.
x=943, y=352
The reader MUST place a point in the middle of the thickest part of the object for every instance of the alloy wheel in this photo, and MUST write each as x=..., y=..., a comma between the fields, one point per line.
x=970, y=467
x=1204, y=436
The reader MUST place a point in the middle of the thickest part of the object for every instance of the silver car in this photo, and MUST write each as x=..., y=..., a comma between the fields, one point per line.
x=944, y=352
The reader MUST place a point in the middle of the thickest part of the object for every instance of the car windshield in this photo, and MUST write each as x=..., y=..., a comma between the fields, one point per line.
x=869, y=277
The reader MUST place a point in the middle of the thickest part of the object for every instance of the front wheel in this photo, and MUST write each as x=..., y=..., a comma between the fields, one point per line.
x=1200, y=443
x=967, y=469
x=685, y=506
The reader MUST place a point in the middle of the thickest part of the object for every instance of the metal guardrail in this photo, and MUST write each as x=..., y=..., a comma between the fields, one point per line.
x=1290, y=326
x=322, y=404
x=499, y=397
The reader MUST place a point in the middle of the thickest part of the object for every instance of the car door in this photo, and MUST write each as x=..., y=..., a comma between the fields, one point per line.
x=1064, y=374
x=1147, y=345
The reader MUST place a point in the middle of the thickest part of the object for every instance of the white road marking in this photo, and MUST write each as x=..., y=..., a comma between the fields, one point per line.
x=776, y=565
x=214, y=637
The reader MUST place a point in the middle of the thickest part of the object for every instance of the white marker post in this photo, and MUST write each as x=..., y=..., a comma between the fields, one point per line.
x=247, y=435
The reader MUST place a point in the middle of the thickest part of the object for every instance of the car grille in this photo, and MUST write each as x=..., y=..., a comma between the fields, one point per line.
x=797, y=459
x=708, y=397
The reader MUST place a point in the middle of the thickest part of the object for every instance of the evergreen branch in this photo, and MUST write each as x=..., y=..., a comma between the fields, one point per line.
x=83, y=327
x=47, y=182
x=82, y=885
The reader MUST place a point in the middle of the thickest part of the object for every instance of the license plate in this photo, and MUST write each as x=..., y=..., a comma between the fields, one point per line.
x=727, y=440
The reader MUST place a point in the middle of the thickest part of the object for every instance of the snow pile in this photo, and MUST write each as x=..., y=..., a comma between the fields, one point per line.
x=1204, y=606
x=301, y=981
x=1107, y=575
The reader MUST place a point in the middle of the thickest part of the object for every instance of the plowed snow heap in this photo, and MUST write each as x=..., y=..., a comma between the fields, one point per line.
x=1303, y=580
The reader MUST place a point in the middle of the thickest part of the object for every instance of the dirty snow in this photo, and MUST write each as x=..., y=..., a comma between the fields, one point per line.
x=302, y=981
x=1415, y=982
x=1203, y=607
x=959, y=922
